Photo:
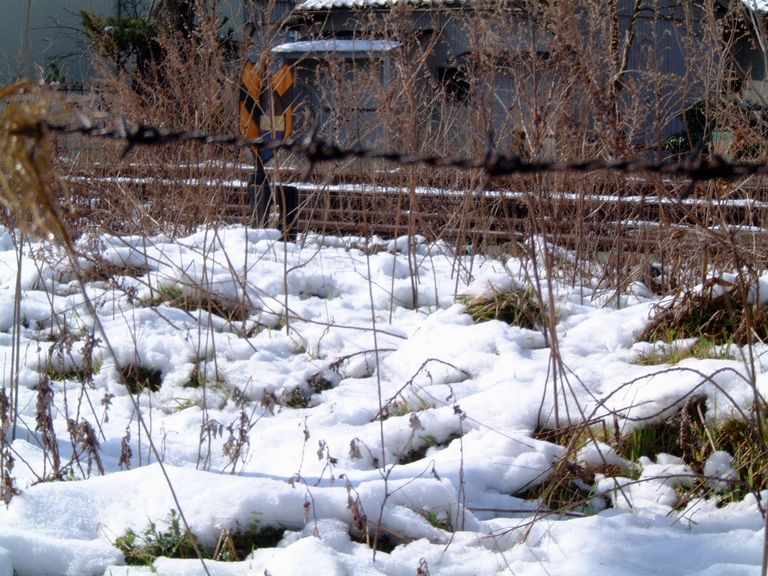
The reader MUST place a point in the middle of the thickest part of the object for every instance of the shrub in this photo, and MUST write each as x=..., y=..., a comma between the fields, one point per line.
x=125, y=41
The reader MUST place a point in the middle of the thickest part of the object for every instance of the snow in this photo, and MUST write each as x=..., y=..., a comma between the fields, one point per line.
x=348, y=355
x=757, y=5
x=307, y=5
x=336, y=45
x=361, y=4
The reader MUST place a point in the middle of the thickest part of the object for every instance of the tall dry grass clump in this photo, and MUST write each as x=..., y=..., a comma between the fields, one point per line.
x=178, y=73
x=27, y=193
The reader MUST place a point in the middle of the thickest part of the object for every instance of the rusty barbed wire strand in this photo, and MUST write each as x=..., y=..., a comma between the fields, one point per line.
x=696, y=167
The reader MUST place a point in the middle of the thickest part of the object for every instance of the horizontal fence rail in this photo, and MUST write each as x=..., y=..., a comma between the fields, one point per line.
x=636, y=210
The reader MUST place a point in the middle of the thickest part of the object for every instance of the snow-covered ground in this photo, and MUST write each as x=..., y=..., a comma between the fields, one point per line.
x=345, y=360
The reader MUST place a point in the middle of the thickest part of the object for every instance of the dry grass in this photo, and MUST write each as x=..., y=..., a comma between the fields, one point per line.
x=719, y=312
x=189, y=85
x=170, y=539
x=26, y=175
x=515, y=307
x=194, y=298
x=677, y=351
x=639, y=235
x=571, y=485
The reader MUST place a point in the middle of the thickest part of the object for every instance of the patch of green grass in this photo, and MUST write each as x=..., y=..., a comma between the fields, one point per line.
x=201, y=376
x=142, y=549
x=167, y=294
x=682, y=434
x=196, y=378
x=743, y=440
x=58, y=371
x=675, y=352
x=515, y=307
x=196, y=298
x=296, y=398
x=650, y=440
x=685, y=434
x=139, y=378
x=62, y=364
x=439, y=521
x=570, y=487
x=747, y=444
x=234, y=545
x=419, y=449
x=199, y=379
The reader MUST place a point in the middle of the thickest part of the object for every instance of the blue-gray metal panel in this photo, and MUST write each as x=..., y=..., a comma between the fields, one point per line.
x=35, y=33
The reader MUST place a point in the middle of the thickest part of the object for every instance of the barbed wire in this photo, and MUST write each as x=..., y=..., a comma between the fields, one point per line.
x=696, y=167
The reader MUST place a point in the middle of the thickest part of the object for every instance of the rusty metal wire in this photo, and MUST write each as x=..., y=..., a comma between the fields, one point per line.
x=696, y=167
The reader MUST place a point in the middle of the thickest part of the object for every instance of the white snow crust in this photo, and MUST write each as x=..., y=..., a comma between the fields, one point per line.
x=350, y=355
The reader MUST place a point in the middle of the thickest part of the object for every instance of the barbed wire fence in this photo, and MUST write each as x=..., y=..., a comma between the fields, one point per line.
x=660, y=224
x=696, y=166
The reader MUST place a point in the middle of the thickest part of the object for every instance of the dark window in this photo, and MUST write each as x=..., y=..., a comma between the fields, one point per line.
x=455, y=83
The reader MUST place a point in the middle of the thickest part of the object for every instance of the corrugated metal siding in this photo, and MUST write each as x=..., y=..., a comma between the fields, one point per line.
x=54, y=34
x=658, y=66
x=35, y=33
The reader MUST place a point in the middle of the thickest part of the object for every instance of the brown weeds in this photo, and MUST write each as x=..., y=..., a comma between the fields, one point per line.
x=716, y=312
x=26, y=173
x=44, y=425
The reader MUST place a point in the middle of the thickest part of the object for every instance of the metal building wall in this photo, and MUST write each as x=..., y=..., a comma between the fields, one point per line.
x=660, y=74
x=37, y=36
